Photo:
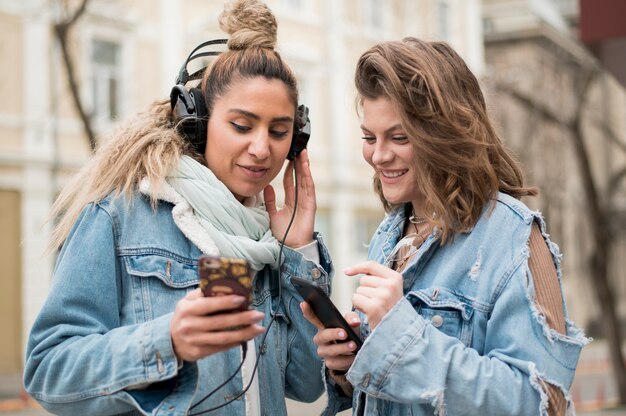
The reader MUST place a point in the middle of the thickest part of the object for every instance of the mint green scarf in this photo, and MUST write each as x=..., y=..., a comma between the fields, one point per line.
x=237, y=230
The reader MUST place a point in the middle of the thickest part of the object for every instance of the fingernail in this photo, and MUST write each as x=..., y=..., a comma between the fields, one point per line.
x=238, y=300
x=341, y=334
x=351, y=345
x=355, y=320
x=258, y=315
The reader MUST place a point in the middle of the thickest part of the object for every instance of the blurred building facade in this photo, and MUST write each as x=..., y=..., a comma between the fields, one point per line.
x=127, y=54
x=536, y=69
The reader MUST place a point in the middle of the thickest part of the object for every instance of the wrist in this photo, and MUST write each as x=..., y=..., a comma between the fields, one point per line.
x=296, y=245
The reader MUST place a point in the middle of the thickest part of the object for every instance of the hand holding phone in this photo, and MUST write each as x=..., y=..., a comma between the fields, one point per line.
x=325, y=309
x=220, y=276
x=208, y=321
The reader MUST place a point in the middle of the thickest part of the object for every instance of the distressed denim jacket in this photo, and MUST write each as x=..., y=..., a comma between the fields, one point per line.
x=101, y=344
x=467, y=338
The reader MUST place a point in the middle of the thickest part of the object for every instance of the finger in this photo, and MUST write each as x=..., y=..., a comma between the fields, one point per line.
x=226, y=321
x=212, y=304
x=353, y=319
x=330, y=335
x=363, y=303
x=340, y=363
x=227, y=337
x=194, y=294
x=328, y=351
x=269, y=195
x=371, y=268
x=372, y=281
x=305, y=178
x=369, y=292
x=310, y=316
x=288, y=185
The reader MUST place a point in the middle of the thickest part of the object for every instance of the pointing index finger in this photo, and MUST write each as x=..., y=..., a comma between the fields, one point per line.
x=370, y=267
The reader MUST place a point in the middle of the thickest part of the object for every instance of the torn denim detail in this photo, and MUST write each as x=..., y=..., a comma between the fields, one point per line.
x=473, y=273
x=573, y=334
x=436, y=400
x=536, y=380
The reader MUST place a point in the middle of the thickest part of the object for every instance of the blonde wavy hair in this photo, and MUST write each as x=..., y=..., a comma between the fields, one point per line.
x=460, y=160
x=149, y=146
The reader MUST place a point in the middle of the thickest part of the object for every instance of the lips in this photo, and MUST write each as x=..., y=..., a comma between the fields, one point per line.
x=392, y=174
x=253, y=171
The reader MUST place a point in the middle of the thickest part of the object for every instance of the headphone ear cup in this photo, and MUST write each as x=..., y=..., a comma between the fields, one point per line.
x=190, y=111
x=301, y=132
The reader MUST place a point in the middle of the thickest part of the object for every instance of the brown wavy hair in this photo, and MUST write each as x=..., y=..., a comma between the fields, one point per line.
x=149, y=146
x=461, y=162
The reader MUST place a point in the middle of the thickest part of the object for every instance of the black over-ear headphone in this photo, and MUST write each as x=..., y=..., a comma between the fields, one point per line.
x=189, y=108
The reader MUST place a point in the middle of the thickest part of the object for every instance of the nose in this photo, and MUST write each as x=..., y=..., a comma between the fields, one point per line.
x=259, y=145
x=382, y=154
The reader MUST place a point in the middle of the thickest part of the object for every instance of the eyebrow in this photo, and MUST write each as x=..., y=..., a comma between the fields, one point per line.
x=389, y=130
x=257, y=117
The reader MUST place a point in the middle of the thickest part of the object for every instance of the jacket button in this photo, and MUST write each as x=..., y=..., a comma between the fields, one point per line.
x=315, y=273
x=437, y=321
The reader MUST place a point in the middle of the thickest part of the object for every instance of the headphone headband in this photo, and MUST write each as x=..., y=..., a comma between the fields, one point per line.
x=183, y=76
x=189, y=107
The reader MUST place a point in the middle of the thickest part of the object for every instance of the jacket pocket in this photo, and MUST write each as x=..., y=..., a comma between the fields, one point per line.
x=445, y=310
x=158, y=282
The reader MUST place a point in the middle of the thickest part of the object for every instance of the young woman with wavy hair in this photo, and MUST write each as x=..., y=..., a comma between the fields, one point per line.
x=460, y=306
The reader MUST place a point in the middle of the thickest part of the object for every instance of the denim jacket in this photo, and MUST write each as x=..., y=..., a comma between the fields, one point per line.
x=466, y=339
x=101, y=344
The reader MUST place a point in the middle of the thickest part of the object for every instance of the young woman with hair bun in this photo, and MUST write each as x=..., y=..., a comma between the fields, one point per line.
x=125, y=328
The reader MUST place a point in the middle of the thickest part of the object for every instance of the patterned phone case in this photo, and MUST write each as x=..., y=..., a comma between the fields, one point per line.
x=220, y=276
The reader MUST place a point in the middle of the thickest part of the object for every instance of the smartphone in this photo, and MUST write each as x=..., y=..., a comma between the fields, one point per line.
x=324, y=308
x=220, y=276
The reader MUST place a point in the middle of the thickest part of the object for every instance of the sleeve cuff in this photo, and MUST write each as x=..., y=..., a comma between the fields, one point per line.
x=296, y=264
x=385, y=345
x=310, y=252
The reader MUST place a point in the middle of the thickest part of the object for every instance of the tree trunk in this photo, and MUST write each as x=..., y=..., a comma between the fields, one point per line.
x=603, y=241
x=599, y=273
x=599, y=217
x=62, y=30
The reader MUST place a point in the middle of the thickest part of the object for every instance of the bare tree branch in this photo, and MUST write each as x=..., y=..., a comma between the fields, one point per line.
x=62, y=30
x=532, y=104
x=615, y=180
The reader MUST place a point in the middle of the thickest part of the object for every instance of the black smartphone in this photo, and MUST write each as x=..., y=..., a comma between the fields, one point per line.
x=324, y=308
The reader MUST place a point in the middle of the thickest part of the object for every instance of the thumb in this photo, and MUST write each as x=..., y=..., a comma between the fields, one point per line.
x=270, y=199
x=194, y=294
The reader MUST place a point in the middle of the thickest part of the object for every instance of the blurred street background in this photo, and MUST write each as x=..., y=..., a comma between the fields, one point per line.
x=554, y=77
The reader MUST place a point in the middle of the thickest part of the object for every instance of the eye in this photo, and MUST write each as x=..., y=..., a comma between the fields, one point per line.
x=400, y=139
x=369, y=139
x=240, y=128
x=279, y=134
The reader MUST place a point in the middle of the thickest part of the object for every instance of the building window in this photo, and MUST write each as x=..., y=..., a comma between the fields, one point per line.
x=106, y=79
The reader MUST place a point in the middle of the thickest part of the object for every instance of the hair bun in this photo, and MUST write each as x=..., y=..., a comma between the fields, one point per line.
x=249, y=23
